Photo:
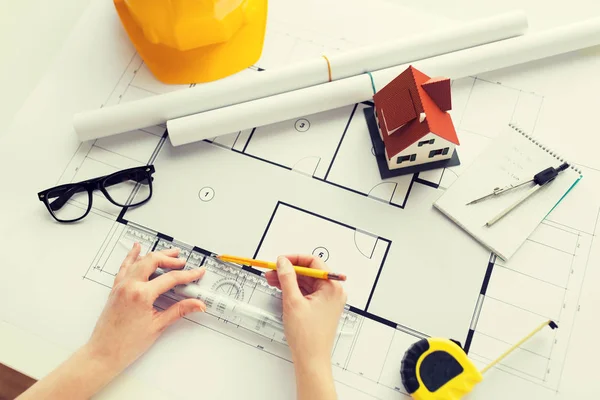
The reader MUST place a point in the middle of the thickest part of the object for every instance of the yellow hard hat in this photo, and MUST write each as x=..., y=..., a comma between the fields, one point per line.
x=194, y=41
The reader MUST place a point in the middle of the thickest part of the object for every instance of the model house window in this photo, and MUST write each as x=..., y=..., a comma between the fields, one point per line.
x=437, y=152
x=424, y=142
x=402, y=159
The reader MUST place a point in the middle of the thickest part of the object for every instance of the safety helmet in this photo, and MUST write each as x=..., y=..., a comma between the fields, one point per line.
x=194, y=41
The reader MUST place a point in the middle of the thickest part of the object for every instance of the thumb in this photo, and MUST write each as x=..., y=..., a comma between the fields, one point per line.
x=180, y=310
x=287, y=278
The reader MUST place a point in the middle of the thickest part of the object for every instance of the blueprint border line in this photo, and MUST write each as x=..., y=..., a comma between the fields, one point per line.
x=342, y=187
x=256, y=157
x=165, y=237
x=468, y=341
x=410, y=186
x=341, y=141
x=248, y=141
x=479, y=304
x=202, y=251
x=314, y=214
x=488, y=274
x=264, y=235
x=121, y=216
x=427, y=183
x=158, y=148
x=389, y=244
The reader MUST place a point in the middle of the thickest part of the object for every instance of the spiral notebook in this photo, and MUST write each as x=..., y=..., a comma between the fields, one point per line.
x=512, y=158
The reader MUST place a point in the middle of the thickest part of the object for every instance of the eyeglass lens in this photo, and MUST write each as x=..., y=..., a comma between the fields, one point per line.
x=78, y=200
x=128, y=188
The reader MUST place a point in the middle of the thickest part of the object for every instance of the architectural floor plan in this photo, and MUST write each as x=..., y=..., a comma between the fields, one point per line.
x=311, y=185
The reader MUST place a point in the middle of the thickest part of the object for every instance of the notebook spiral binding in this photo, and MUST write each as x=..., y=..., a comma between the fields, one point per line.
x=544, y=147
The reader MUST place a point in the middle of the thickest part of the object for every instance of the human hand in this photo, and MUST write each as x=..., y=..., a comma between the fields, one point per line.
x=129, y=323
x=311, y=310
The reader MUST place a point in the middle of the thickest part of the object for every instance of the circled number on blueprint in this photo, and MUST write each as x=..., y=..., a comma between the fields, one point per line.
x=302, y=125
x=322, y=253
x=206, y=193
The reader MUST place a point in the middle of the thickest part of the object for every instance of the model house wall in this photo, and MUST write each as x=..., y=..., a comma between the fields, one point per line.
x=420, y=151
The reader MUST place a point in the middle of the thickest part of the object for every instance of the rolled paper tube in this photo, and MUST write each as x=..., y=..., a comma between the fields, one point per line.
x=159, y=109
x=269, y=110
x=469, y=62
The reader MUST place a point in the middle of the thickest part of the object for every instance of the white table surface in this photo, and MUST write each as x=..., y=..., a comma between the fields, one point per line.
x=32, y=33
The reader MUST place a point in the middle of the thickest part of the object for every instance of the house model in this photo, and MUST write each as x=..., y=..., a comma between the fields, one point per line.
x=410, y=126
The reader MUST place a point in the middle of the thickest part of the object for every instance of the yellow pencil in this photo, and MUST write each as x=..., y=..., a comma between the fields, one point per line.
x=311, y=272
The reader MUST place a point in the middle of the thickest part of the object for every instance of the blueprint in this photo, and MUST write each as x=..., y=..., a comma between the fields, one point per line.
x=308, y=185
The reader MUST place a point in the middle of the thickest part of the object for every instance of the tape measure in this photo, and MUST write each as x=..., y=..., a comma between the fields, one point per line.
x=439, y=369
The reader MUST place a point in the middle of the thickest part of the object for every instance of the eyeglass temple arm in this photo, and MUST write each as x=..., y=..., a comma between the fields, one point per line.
x=63, y=198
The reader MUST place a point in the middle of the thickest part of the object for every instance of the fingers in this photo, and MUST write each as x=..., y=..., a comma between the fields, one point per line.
x=130, y=258
x=335, y=291
x=168, y=281
x=305, y=260
x=306, y=284
x=173, y=252
x=272, y=279
x=179, y=310
x=163, y=259
x=287, y=279
x=310, y=285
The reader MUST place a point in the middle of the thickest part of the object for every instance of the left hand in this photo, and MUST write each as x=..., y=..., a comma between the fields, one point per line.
x=129, y=323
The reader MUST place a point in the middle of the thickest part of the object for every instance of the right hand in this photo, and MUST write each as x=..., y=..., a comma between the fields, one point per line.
x=311, y=309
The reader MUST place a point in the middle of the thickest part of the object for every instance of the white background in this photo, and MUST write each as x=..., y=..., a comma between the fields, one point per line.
x=31, y=33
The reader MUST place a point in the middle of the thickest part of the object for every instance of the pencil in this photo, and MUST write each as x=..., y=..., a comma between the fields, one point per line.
x=310, y=272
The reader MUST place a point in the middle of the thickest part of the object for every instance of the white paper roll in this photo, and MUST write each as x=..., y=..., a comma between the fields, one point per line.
x=161, y=108
x=353, y=90
x=431, y=44
x=270, y=109
x=506, y=53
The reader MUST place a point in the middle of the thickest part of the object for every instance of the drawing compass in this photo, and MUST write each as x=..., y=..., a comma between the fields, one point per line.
x=539, y=180
x=498, y=191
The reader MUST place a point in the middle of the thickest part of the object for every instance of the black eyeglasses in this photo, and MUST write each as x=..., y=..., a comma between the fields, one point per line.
x=127, y=188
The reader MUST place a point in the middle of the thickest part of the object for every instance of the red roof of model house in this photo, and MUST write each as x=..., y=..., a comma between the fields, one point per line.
x=411, y=106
